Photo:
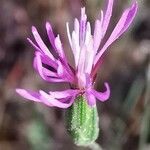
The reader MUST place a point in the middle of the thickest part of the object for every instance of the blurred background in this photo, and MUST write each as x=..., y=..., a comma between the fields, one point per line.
x=124, y=119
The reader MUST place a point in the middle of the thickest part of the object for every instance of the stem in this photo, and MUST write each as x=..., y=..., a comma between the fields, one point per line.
x=146, y=117
x=95, y=146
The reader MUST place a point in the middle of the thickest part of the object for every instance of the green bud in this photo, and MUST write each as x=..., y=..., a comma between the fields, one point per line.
x=82, y=122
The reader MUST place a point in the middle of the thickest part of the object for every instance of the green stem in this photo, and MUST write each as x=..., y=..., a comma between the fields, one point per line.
x=146, y=116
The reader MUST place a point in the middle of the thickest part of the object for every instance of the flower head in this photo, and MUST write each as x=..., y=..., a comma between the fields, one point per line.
x=87, y=55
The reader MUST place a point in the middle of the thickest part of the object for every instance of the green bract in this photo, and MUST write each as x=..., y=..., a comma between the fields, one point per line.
x=82, y=122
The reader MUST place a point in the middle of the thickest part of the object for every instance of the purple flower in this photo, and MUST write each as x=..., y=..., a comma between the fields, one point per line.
x=87, y=57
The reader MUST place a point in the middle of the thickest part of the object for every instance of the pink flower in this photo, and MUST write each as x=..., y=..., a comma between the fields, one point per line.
x=87, y=56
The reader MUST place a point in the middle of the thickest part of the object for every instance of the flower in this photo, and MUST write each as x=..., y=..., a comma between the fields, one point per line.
x=87, y=57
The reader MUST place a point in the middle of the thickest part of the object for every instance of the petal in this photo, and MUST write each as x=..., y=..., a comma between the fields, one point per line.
x=107, y=16
x=124, y=22
x=88, y=80
x=83, y=21
x=48, y=98
x=65, y=73
x=82, y=59
x=68, y=33
x=41, y=44
x=88, y=34
x=102, y=96
x=49, y=73
x=81, y=67
x=34, y=96
x=89, y=57
x=44, y=98
x=76, y=28
x=60, y=69
x=51, y=79
x=40, y=71
x=59, y=48
x=34, y=45
x=91, y=100
x=64, y=94
x=50, y=34
x=44, y=60
x=101, y=16
x=39, y=66
x=56, y=42
x=130, y=18
x=75, y=47
x=98, y=34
